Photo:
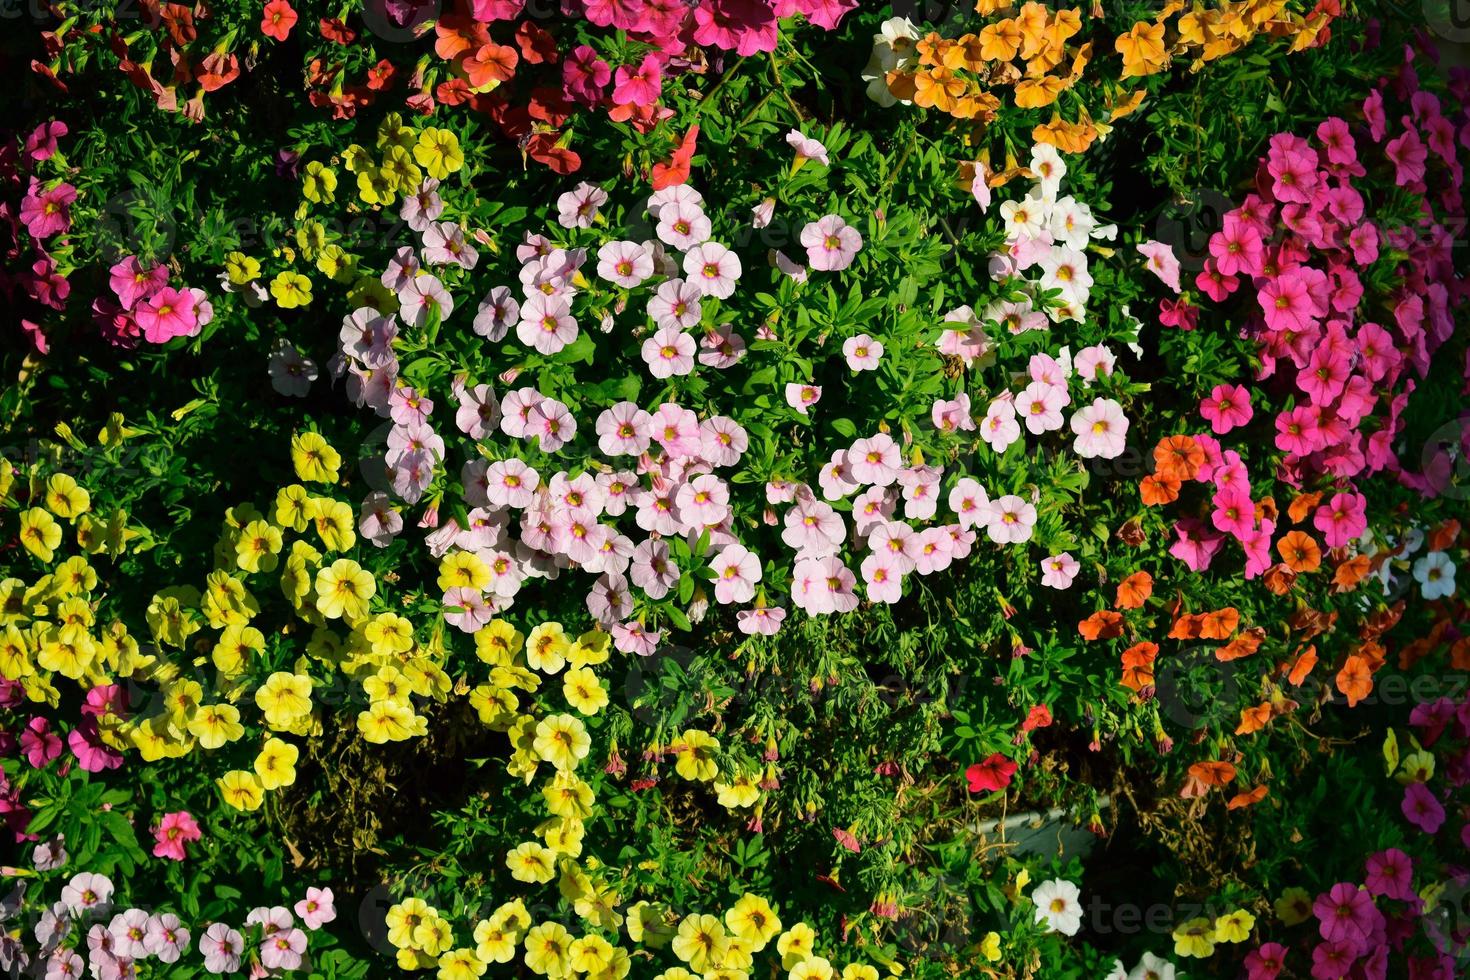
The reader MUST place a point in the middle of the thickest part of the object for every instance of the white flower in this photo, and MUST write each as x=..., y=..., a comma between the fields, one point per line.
x=1152, y=967
x=1435, y=574
x=1049, y=168
x=1058, y=906
x=1118, y=972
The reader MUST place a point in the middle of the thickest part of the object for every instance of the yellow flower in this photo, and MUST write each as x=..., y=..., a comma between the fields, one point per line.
x=285, y=699
x=562, y=740
x=1417, y=767
x=812, y=968
x=590, y=649
x=496, y=706
x=696, y=750
x=752, y=920
x=740, y=792
x=343, y=590
x=314, y=459
x=494, y=942
x=498, y=642
x=460, y=964
x=546, y=648
x=336, y=263
x=291, y=509
x=387, y=685
x=276, y=763
x=74, y=575
x=548, y=948
x=291, y=289
x=257, y=547
x=375, y=186
x=390, y=721
x=438, y=152
x=463, y=569
x=796, y=944
x=583, y=691
x=568, y=796
x=241, y=269
x=1194, y=938
x=1294, y=906
x=320, y=183
x=404, y=919
x=563, y=835
x=1234, y=927
x=701, y=941
x=236, y=645
x=215, y=725
x=334, y=523
x=240, y=789
x=989, y=948
x=65, y=497
x=356, y=159
x=590, y=954
x=68, y=651
x=40, y=533
x=399, y=171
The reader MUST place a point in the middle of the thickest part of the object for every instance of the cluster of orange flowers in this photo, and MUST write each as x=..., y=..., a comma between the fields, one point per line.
x=1039, y=53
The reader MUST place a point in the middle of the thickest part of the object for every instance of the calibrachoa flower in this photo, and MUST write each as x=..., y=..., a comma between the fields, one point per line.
x=173, y=833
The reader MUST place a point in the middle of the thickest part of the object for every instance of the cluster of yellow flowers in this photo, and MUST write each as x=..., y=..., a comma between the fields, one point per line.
x=405, y=157
x=1197, y=937
x=1038, y=53
x=708, y=946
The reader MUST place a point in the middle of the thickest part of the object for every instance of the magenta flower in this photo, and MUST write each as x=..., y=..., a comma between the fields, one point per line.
x=1390, y=874
x=1237, y=247
x=1408, y=154
x=641, y=86
x=1333, y=960
x=831, y=244
x=585, y=75
x=1265, y=962
x=1226, y=407
x=167, y=314
x=93, y=755
x=1287, y=303
x=133, y=282
x=39, y=743
x=1345, y=914
x=1294, y=172
x=1298, y=430
x=173, y=832
x=1421, y=808
x=47, y=212
x=1342, y=518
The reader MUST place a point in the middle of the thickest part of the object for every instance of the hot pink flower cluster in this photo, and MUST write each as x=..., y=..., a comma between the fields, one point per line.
x=144, y=306
x=43, y=215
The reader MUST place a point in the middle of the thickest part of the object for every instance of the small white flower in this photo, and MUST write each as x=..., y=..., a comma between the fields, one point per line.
x=1058, y=906
x=1435, y=574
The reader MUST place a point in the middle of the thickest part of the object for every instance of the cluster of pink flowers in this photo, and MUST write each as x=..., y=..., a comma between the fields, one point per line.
x=144, y=306
x=67, y=946
x=1298, y=247
x=42, y=215
x=39, y=744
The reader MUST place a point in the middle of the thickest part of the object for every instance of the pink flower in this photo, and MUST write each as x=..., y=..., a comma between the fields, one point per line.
x=802, y=397
x=1294, y=172
x=823, y=586
x=1345, y=913
x=1000, y=428
x=875, y=461
x=1227, y=407
x=39, y=743
x=668, y=353
x=736, y=572
x=1409, y=156
x=676, y=304
x=546, y=324
x=980, y=186
x=166, y=938
x=1342, y=519
x=1101, y=429
x=1265, y=962
x=970, y=502
x=1162, y=262
x=682, y=225
x=760, y=621
x=1287, y=303
x=1237, y=247
x=624, y=430
x=423, y=296
x=1234, y=511
x=552, y=424
x=93, y=754
x=627, y=264
x=883, y=577
x=1390, y=874
x=175, y=830
x=807, y=148
x=1421, y=808
x=1009, y=520
x=577, y=208
x=133, y=282
x=41, y=144
x=167, y=314
x=1040, y=406
x=317, y=908
x=862, y=352
x=830, y=243
x=1298, y=430
x=222, y=947
x=1058, y=571
x=712, y=269
x=641, y=86
x=47, y=212
x=283, y=950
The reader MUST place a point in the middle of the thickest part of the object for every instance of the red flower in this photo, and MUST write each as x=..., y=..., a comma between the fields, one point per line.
x=1038, y=717
x=278, y=20
x=992, y=775
x=334, y=30
x=676, y=171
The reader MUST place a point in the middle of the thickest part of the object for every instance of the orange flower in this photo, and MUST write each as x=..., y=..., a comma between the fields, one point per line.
x=1460, y=654
x=1000, y=41
x=1248, y=798
x=1142, y=49
x=1213, y=773
x=1218, y=625
x=1134, y=590
x=1243, y=645
x=1303, y=666
x=1138, y=665
x=938, y=87
x=1037, y=93
x=1254, y=719
x=1185, y=627
x=987, y=7
x=1300, y=551
x=1179, y=457
x=1303, y=506
x=1355, y=680
x=1443, y=537
x=1126, y=106
x=1032, y=21
x=1101, y=625
x=1279, y=579
x=1068, y=137
x=1350, y=574
x=1156, y=489
x=459, y=35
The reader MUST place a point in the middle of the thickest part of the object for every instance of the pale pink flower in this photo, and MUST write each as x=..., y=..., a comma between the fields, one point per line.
x=736, y=573
x=1009, y=520
x=883, y=577
x=802, y=397
x=676, y=304
x=969, y=501
x=423, y=296
x=760, y=621
x=1162, y=262
x=1058, y=571
x=831, y=244
x=625, y=263
x=510, y=483
x=552, y=424
x=761, y=214
x=444, y=244
x=577, y=208
x=1101, y=429
x=624, y=430
x=1040, y=406
x=712, y=269
x=317, y=908
x=722, y=441
x=999, y=428
x=498, y=312
x=807, y=148
x=703, y=501
x=422, y=206
x=547, y=324
x=875, y=460
x=683, y=226
x=862, y=352
x=669, y=353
